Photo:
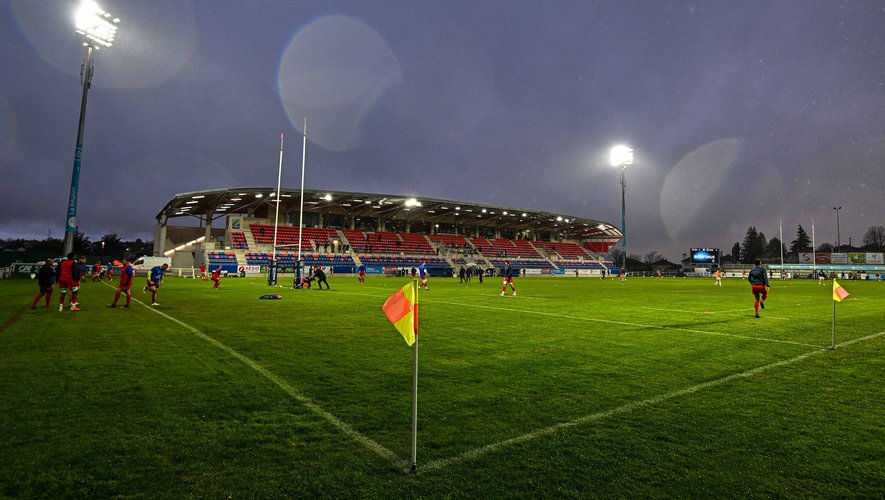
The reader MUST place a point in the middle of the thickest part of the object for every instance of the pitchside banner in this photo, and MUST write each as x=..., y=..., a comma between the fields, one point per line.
x=838, y=258
x=875, y=258
x=822, y=258
x=806, y=258
x=857, y=258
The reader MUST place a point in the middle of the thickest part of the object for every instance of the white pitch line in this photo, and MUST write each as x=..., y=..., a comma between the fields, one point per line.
x=721, y=313
x=635, y=405
x=288, y=389
x=625, y=323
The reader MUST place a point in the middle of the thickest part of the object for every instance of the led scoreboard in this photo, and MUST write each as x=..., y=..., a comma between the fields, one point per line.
x=704, y=255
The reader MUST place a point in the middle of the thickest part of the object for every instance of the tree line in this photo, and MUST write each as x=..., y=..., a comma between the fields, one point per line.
x=110, y=245
x=756, y=246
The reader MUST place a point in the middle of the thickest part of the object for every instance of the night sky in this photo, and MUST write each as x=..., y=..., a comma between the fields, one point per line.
x=741, y=113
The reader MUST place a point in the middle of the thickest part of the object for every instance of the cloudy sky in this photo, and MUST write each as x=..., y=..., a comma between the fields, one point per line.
x=740, y=112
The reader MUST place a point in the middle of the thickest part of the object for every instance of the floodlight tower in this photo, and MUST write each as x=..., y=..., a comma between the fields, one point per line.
x=99, y=29
x=621, y=156
x=838, y=236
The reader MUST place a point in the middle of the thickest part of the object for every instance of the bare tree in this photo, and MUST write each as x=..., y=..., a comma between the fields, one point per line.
x=874, y=238
x=652, y=257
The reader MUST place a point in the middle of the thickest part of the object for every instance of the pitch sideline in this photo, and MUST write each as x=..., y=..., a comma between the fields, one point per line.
x=635, y=405
x=373, y=445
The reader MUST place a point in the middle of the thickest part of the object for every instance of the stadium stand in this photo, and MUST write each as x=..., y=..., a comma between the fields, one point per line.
x=449, y=240
x=238, y=239
x=517, y=263
x=578, y=264
x=356, y=239
x=502, y=247
x=341, y=263
x=567, y=250
x=227, y=261
x=436, y=265
x=415, y=243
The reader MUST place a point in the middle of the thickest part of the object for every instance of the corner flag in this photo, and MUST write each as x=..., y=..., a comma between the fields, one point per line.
x=839, y=293
x=401, y=309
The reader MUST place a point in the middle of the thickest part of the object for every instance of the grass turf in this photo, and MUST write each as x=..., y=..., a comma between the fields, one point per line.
x=574, y=388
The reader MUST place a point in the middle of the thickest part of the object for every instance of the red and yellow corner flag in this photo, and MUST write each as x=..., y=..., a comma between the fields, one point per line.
x=839, y=293
x=401, y=309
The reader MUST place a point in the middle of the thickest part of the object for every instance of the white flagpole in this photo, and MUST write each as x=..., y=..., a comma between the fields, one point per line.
x=781, y=225
x=301, y=208
x=833, y=346
x=414, y=469
x=277, y=215
x=813, y=250
x=272, y=272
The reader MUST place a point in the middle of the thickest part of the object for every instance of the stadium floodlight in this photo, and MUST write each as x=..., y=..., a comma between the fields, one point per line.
x=96, y=25
x=621, y=156
x=327, y=197
x=838, y=236
x=412, y=202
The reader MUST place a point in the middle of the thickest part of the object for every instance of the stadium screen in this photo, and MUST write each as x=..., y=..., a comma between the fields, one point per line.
x=705, y=255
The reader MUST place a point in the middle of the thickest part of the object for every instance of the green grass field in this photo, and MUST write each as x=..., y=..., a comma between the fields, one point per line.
x=577, y=387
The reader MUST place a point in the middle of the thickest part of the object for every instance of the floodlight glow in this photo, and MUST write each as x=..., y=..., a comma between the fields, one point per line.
x=259, y=195
x=505, y=212
x=92, y=22
x=621, y=156
x=328, y=197
x=412, y=202
x=559, y=218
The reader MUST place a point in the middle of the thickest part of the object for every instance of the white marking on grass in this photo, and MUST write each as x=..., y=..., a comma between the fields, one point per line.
x=625, y=323
x=635, y=405
x=746, y=312
x=288, y=389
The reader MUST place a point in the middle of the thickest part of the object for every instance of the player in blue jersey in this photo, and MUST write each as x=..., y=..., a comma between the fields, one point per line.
x=422, y=272
x=758, y=278
x=362, y=277
x=508, y=278
x=155, y=278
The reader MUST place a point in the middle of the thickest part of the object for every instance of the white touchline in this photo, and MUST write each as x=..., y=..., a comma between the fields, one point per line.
x=597, y=320
x=436, y=464
x=721, y=313
x=288, y=389
x=635, y=405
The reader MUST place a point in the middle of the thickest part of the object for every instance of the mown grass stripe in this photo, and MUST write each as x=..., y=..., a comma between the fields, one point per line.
x=369, y=443
x=635, y=405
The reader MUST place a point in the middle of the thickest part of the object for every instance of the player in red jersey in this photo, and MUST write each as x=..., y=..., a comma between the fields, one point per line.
x=96, y=271
x=216, y=277
x=203, y=272
x=68, y=276
x=127, y=275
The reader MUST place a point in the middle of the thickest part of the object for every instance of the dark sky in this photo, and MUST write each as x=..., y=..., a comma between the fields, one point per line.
x=740, y=112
